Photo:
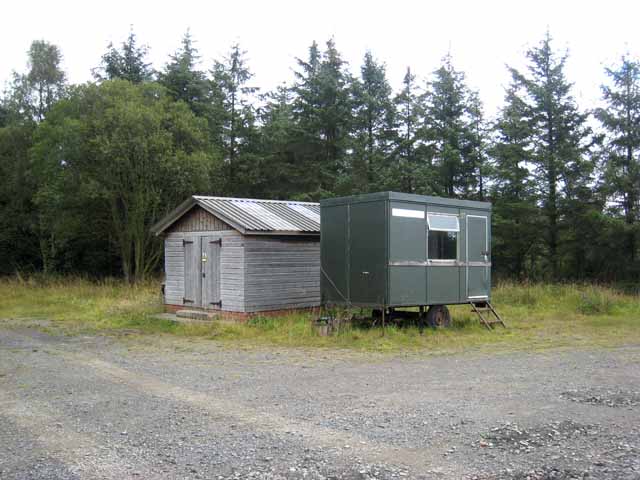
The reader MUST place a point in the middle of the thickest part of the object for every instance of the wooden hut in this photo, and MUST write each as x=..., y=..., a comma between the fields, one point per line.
x=241, y=255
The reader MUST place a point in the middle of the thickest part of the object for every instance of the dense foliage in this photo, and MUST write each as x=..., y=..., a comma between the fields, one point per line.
x=85, y=170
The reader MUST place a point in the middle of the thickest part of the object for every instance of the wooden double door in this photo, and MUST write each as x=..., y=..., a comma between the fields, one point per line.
x=202, y=272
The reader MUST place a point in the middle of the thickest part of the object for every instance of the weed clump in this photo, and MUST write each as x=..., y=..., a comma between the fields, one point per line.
x=596, y=302
x=518, y=294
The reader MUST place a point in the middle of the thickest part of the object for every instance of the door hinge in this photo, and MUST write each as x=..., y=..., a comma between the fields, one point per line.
x=216, y=304
x=186, y=300
x=204, y=275
x=219, y=241
x=184, y=242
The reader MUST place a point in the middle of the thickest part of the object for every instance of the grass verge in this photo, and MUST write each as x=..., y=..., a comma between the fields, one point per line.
x=538, y=316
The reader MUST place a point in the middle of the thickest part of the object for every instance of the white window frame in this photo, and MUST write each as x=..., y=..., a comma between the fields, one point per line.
x=433, y=214
x=449, y=261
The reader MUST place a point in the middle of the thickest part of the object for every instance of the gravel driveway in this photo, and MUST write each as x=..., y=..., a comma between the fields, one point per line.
x=168, y=408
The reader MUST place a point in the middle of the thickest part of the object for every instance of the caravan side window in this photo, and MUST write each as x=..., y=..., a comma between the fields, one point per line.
x=442, y=237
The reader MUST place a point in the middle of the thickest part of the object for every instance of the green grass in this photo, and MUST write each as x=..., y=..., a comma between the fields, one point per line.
x=538, y=316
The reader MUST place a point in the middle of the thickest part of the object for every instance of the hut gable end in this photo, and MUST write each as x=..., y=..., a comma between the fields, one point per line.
x=199, y=220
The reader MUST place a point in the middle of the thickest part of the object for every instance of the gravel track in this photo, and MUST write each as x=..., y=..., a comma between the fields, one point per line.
x=90, y=407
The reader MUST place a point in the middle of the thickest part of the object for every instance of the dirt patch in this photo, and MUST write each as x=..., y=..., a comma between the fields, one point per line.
x=517, y=439
x=609, y=398
x=544, y=473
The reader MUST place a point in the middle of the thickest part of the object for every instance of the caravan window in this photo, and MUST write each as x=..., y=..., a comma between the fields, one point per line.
x=442, y=237
x=443, y=223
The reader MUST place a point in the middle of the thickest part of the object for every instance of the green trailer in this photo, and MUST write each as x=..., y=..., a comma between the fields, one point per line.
x=387, y=251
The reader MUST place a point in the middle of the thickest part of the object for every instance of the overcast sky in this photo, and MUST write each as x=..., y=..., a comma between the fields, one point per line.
x=482, y=36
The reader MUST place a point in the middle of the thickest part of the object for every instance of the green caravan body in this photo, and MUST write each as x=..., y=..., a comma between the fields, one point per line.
x=399, y=250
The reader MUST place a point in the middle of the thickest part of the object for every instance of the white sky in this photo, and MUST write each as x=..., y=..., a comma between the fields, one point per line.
x=483, y=36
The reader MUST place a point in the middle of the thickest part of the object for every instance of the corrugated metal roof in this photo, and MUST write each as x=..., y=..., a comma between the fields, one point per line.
x=253, y=215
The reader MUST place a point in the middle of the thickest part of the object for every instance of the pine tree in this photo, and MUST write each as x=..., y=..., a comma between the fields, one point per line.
x=322, y=110
x=621, y=120
x=407, y=116
x=477, y=164
x=335, y=113
x=276, y=172
x=373, y=123
x=452, y=132
x=184, y=81
x=127, y=63
x=516, y=217
x=235, y=112
x=558, y=138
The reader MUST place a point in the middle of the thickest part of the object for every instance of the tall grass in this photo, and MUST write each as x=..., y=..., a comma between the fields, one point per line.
x=537, y=315
x=80, y=304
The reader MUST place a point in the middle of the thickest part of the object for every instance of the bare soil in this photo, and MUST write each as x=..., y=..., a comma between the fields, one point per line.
x=159, y=407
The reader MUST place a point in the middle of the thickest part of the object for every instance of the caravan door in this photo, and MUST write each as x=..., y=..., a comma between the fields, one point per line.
x=478, y=268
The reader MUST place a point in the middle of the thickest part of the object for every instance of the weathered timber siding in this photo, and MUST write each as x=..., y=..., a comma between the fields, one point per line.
x=256, y=273
x=281, y=273
x=232, y=281
x=199, y=220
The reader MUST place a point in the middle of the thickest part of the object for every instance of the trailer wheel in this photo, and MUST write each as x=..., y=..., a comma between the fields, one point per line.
x=438, y=316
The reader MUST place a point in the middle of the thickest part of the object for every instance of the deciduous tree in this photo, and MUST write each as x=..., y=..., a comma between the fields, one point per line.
x=132, y=152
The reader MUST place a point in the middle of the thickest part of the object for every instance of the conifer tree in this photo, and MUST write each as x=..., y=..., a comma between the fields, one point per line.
x=477, y=164
x=184, y=80
x=407, y=115
x=234, y=113
x=516, y=217
x=557, y=137
x=335, y=113
x=277, y=171
x=373, y=123
x=307, y=142
x=322, y=109
x=452, y=133
x=621, y=121
x=129, y=62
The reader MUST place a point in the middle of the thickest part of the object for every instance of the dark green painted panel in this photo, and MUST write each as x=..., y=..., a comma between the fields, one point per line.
x=479, y=281
x=368, y=236
x=334, y=254
x=407, y=234
x=381, y=255
x=406, y=197
x=479, y=274
x=444, y=285
x=407, y=285
x=477, y=233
